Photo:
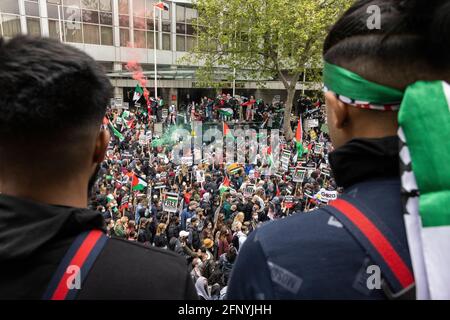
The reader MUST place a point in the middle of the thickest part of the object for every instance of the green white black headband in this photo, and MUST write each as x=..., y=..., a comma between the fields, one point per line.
x=424, y=120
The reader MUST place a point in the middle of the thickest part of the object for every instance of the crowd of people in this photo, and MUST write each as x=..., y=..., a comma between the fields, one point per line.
x=214, y=210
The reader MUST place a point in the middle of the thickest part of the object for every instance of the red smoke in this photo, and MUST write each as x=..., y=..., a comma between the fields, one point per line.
x=138, y=75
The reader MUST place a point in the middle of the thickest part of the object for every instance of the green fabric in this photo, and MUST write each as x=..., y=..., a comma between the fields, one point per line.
x=425, y=119
x=351, y=85
x=117, y=133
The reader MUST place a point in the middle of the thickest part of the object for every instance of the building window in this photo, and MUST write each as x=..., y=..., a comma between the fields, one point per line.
x=124, y=21
x=73, y=32
x=150, y=40
x=90, y=16
x=181, y=43
x=106, y=18
x=166, y=41
x=123, y=6
x=33, y=26
x=9, y=6
x=105, y=5
x=10, y=25
x=185, y=29
x=90, y=4
x=91, y=33
x=31, y=8
x=139, y=39
x=124, y=37
x=106, y=36
x=53, y=28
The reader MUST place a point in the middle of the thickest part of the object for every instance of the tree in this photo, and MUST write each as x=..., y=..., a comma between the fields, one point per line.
x=263, y=39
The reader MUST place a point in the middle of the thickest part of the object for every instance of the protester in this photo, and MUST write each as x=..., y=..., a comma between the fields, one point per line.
x=369, y=100
x=52, y=146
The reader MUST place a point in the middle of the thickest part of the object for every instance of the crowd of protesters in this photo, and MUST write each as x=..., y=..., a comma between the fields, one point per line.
x=217, y=212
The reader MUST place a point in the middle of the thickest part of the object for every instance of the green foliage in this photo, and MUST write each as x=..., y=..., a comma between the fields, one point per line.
x=262, y=39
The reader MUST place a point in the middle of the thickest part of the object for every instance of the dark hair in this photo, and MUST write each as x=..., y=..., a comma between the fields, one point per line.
x=48, y=88
x=413, y=34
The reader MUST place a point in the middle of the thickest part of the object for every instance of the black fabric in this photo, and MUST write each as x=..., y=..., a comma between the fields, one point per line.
x=365, y=160
x=34, y=238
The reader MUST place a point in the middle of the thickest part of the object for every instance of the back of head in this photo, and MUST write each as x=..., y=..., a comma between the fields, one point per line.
x=412, y=42
x=53, y=99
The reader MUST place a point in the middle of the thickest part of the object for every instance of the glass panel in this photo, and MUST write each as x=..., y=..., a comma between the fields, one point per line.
x=166, y=26
x=91, y=34
x=150, y=25
x=181, y=28
x=32, y=9
x=75, y=3
x=105, y=5
x=150, y=39
x=139, y=8
x=166, y=14
x=190, y=29
x=149, y=4
x=190, y=43
x=73, y=32
x=9, y=6
x=89, y=4
x=53, y=28
x=124, y=21
x=72, y=14
x=11, y=25
x=166, y=41
x=106, y=18
x=180, y=13
x=107, y=36
x=33, y=26
x=139, y=23
x=124, y=37
x=123, y=6
x=52, y=11
x=181, y=46
x=90, y=16
x=139, y=39
x=191, y=14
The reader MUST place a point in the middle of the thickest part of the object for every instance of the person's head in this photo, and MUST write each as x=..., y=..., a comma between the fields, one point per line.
x=194, y=222
x=161, y=228
x=240, y=217
x=411, y=44
x=52, y=103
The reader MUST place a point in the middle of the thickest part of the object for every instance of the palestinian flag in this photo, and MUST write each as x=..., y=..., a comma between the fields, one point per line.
x=225, y=186
x=424, y=120
x=227, y=132
x=162, y=6
x=299, y=140
x=138, y=92
x=138, y=184
x=270, y=157
x=116, y=132
x=227, y=112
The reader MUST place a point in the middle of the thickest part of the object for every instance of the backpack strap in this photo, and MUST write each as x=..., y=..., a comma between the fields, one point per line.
x=379, y=242
x=77, y=262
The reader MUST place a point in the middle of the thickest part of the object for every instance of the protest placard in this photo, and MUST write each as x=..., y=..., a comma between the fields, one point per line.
x=325, y=196
x=170, y=202
x=289, y=202
x=299, y=175
x=200, y=176
x=249, y=190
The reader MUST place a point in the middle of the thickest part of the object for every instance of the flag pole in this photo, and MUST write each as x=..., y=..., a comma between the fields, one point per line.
x=154, y=52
